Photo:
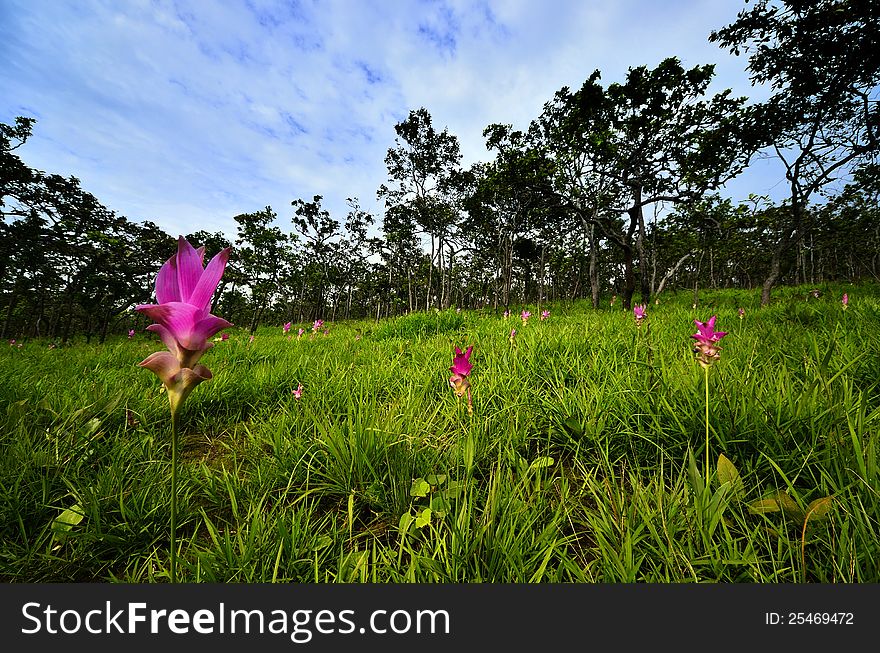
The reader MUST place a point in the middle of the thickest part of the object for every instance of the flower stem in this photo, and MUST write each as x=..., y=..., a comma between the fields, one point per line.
x=173, y=496
x=706, y=371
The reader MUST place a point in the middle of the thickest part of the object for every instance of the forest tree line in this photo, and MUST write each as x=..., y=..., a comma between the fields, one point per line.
x=613, y=189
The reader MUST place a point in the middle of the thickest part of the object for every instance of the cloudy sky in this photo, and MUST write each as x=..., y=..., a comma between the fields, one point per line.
x=188, y=113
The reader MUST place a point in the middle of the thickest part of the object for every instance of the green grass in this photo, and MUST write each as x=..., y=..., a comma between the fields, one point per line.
x=584, y=460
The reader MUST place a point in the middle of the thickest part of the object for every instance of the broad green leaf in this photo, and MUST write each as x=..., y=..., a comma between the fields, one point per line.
x=420, y=488
x=424, y=518
x=68, y=519
x=406, y=519
x=763, y=506
x=573, y=426
x=789, y=505
x=436, y=479
x=453, y=489
x=819, y=508
x=727, y=473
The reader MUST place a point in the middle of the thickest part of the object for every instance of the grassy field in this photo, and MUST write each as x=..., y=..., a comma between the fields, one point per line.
x=584, y=459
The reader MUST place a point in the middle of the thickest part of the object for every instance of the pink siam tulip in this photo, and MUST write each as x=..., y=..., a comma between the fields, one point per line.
x=639, y=312
x=512, y=336
x=845, y=301
x=506, y=314
x=525, y=315
x=183, y=320
x=316, y=325
x=461, y=370
x=707, y=350
x=251, y=339
x=299, y=334
x=286, y=327
x=544, y=315
x=130, y=334
x=224, y=336
x=298, y=393
x=182, y=317
x=741, y=312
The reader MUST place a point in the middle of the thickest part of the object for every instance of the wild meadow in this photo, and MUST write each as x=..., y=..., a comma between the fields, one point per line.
x=348, y=456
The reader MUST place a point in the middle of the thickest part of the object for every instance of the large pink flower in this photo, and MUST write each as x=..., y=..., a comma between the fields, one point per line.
x=182, y=318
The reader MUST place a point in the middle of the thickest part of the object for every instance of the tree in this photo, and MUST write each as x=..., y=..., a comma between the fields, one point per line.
x=821, y=59
x=423, y=172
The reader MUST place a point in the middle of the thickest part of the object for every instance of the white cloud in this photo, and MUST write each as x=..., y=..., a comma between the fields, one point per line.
x=190, y=113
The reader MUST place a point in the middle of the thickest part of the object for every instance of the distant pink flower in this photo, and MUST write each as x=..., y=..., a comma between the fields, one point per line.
x=130, y=334
x=251, y=339
x=544, y=315
x=706, y=348
x=326, y=332
x=298, y=393
x=299, y=334
x=12, y=342
x=512, y=335
x=461, y=370
x=639, y=311
x=224, y=336
x=525, y=315
x=317, y=324
x=286, y=327
x=506, y=314
x=741, y=312
x=845, y=300
x=182, y=317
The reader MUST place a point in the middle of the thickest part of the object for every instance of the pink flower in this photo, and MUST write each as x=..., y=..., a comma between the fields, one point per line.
x=706, y=348
x=12, y=342
x=741, y=312
x=251, y=339
x=525, y=315
x=224, y=336
x=512, y=335
x=461, y=370
x=183, y=320
x=130, y=334
x=845, y=300
x=544, y=315
x=317, y=324
x=286, y=327
x=298, y=393
x=506, y=314
x=300, y=333
x=639, y=313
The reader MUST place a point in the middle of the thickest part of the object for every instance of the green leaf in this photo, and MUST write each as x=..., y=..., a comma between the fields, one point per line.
x=819, y=508
x=727, y=473
x=420, y=488
x=424, y=518
x=436, y=479
x=694, y=475
x=540, y=463
x=453, y=489
x=763, y=506
x=406, y=520
x=68, y=519
x=573, y=426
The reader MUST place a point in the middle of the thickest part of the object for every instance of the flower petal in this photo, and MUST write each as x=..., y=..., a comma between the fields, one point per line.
x=166, y=337
x=207, y=284
x=163, y=364
x=189, y=268
x=166, y=282
x=179, y=318
x=207, y=327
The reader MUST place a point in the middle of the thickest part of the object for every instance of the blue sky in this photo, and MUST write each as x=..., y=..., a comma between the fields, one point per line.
x=188, y=113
